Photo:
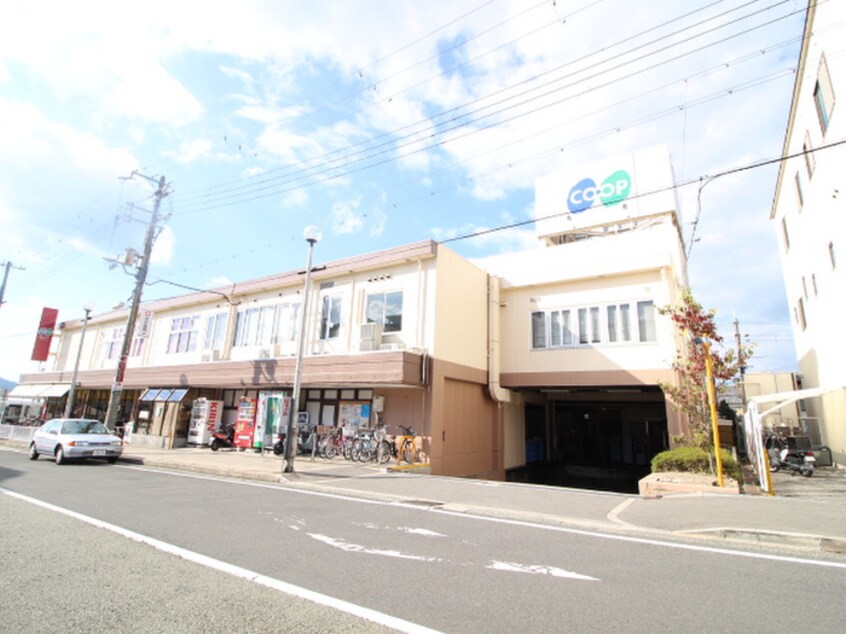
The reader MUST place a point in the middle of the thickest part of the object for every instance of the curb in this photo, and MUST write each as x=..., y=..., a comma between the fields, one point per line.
x=772, y=538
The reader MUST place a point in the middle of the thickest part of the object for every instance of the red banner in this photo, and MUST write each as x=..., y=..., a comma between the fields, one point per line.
x=45, y=334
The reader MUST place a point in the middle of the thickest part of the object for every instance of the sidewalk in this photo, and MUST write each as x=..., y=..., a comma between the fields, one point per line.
x=816, y=521
x=812, y=517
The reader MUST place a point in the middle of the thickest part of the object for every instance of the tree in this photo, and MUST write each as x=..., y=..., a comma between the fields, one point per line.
x=690, y=394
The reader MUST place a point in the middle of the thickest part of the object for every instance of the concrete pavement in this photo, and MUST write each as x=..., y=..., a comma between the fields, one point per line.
x=811, y=517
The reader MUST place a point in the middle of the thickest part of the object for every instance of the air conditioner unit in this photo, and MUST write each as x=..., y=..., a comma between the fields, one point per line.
x=367, y=345
x=371, y=332
x=217, y=355
x=391, y=346
x=265, y=353
x=205, y=358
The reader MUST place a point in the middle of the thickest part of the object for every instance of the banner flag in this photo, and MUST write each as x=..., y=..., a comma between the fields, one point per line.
x=45, y=334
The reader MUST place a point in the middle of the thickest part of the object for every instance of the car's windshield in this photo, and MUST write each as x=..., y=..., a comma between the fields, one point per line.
x=84, y=427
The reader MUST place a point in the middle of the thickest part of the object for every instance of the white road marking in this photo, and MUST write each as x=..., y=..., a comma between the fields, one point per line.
x=545, y=527
x=243, y=573
x=425, y=532
x=357, y=548
x=535, y=569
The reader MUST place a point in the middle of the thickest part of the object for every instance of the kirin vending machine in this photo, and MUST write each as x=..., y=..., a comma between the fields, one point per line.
x=205, y=419
x=245, y=423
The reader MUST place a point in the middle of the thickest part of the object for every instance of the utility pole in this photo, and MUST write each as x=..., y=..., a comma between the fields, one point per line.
x=140, y=279
x=8, y=266
x=741, y=360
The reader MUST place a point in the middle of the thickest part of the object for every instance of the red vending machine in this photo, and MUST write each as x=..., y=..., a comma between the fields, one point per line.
x=245, y=423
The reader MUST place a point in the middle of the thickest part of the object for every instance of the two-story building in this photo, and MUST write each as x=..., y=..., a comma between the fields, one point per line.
x=537, y=366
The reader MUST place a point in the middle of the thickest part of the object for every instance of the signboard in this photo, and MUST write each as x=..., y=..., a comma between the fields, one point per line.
x=354, y=414
x=145, y=320
x=607, y=192
x=41, y=349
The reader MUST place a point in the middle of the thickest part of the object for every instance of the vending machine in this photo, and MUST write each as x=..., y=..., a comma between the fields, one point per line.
x=245, y=423
x=205, y=420
x=272, y=418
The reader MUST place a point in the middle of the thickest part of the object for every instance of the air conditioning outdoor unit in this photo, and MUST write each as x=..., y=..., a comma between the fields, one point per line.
x=371, y=332
x=391, y=346
x=265, y=353
x=205, y=358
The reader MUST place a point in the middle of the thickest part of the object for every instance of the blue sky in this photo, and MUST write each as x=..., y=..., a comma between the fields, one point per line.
x=381, y=122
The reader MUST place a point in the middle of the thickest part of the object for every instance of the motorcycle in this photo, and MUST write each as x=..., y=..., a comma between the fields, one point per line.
x=795, y=456
x=224, y=438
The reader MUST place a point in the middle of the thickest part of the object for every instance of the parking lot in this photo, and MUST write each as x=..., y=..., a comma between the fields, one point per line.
x=828, y=484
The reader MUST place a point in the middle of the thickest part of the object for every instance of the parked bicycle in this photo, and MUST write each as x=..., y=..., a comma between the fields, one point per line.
x=407, y=446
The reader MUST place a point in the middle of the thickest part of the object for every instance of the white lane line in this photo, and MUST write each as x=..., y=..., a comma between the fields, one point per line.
x=367, y=614
x=545, y=527
x=535, y=569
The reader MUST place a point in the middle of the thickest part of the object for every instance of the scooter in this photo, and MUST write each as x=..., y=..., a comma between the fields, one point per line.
x=225, y=438
x=795, y=459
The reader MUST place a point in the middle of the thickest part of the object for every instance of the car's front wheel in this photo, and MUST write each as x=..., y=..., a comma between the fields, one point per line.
x=33, y=452
x=60, y=455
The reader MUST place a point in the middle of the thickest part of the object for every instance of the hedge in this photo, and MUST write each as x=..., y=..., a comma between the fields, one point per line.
x=694, y=459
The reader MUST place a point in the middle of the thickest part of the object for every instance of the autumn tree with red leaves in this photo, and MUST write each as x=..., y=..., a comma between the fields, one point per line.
x=690, y=395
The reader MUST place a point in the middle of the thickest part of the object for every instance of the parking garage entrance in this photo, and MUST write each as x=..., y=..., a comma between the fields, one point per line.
x=593, y=438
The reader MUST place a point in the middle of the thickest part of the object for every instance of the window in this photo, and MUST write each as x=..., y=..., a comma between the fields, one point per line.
x=823, y=95
x=804, y=288
x=810, y=161
x=183, y=334
x=619, y=323
x=264, y=329
x=330, y=321
x=800, y=196
x=646, y=321
x=801, y=313
x=591, y=325
x=385, y=309
x=215, y=331
x=285, y=322
x=246, y=326
x=784, y=234
x=111, y=344
x=831, y=256
x=814, y=283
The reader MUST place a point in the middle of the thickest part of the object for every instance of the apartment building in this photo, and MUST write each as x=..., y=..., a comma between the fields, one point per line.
x=809, y=219
x=530, y=366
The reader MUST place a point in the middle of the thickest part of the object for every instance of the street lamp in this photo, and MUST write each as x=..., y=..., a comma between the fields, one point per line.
x=312, y=235
x=712, y=405
x=69, y=406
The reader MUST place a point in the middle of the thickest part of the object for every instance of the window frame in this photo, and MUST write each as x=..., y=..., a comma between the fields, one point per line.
x=183, y=335
x=385, y=319
x=331, y=329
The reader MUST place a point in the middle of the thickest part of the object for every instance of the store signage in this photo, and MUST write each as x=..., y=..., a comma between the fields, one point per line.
x=41, y=349
x=613, y=190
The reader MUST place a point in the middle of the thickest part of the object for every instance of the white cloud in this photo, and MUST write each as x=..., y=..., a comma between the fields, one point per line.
x=345, y=217
x=191, y=151
x=163, y=247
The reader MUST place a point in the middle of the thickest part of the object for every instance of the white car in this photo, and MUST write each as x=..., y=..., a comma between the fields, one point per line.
x=66, y=439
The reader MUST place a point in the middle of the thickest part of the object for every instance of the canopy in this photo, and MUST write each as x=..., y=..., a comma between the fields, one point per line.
x=39, y=390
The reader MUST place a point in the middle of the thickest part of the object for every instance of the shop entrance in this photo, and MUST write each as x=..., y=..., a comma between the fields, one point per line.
x=594, y=439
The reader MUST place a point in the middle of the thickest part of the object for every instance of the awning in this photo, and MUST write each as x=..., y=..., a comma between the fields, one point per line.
x=56, y=390
x=163, y=394
x=39, y=390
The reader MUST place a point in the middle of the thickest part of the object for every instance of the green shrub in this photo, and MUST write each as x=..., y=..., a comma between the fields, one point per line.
x=695, y=460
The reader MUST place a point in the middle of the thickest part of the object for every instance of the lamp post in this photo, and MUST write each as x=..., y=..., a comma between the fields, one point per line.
x=312, y=235
x=712, y=406
x=69, y=406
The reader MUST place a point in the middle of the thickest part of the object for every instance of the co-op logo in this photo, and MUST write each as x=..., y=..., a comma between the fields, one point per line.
x=586, y=192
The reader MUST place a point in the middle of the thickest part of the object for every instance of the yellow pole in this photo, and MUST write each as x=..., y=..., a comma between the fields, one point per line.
x=712, y=403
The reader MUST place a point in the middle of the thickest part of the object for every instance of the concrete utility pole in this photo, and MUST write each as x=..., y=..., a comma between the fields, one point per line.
x=741, y=360
x=140, y=279
x=8, y=266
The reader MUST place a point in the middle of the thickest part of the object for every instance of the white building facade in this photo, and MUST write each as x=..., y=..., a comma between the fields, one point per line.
x=809, y=214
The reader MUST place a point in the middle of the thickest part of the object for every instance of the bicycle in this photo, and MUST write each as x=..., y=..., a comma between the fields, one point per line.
x=407, y=447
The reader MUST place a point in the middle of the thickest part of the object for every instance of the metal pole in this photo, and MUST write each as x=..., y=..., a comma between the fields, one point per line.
x=72, y=393
x=291, y=431
x=712, y=404
x=141, y=278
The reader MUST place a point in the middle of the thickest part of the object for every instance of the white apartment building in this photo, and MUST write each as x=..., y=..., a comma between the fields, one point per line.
x=809, y=214
x=533, y=366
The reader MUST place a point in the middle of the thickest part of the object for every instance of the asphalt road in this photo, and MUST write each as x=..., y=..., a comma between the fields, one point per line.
x=453, y=573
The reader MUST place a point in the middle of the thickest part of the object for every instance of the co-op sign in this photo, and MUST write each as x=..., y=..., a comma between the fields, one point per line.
x=611, y=191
